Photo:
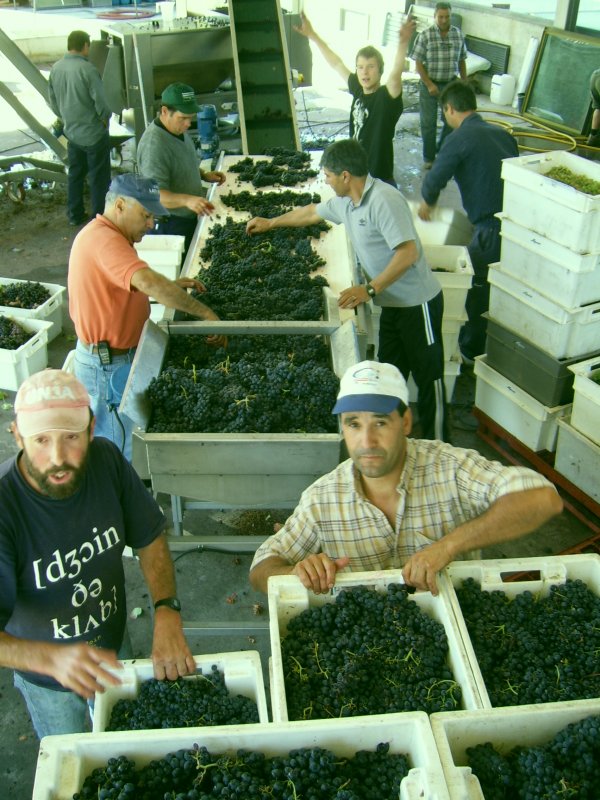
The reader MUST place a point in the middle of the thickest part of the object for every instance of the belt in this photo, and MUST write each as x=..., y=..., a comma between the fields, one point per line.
x=115, y=351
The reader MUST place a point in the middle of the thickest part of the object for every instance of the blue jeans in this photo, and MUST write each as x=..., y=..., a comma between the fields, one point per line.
x=429, y=110
x=54, y=712
x=96, y=379
x=93, y=161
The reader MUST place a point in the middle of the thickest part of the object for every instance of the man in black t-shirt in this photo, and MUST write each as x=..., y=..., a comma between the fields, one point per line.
x=376, y=108
x=70, y=505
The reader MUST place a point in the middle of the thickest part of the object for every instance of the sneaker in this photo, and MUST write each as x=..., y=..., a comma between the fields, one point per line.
x=468, y=362
x=79, y=221
x=427, y=164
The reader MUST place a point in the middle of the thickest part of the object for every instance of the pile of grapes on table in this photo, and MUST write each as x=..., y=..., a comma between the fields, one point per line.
x=534, y=649
x=265, y=276
x=368, y=652
x=264, y=384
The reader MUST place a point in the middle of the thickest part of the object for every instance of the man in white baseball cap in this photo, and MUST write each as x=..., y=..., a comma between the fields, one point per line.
x=398, y=502
x=71, y=503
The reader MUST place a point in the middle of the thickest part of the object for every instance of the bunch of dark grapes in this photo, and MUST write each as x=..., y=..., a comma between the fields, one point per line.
x=308, y=773
x=286, y=168
x=260, y=384
x=12, y=335
x=264, y=277
x=23, y=295
x=366, y=653
x=534, y=649
x=184, y=703
x=268, y=204
x=567, y=766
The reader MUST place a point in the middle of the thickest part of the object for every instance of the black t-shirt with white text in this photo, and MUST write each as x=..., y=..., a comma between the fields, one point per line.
x=61, y=568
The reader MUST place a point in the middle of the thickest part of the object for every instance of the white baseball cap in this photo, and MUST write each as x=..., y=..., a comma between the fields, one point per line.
x=371, y=386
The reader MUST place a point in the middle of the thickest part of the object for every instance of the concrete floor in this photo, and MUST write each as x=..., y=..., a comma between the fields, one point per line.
x=213, y=586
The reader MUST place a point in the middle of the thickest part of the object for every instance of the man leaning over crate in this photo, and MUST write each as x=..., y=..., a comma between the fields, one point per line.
x=399, y=502
x=109, y=290
x=70, y=505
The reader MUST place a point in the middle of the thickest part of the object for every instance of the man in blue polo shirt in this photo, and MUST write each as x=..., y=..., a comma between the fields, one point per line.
x=472, y=155
x=399, y=279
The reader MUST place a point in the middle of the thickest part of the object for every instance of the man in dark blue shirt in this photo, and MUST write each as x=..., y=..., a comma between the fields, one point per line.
x=472, y=154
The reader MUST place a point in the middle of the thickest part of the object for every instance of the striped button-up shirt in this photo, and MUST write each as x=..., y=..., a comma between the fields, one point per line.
x=440, y=54
x=440, y=488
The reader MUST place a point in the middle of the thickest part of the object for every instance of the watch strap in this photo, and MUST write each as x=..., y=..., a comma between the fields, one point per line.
x=169, y=602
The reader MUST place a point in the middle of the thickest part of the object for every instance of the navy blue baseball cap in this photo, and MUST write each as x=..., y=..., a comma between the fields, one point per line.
x=144, y=190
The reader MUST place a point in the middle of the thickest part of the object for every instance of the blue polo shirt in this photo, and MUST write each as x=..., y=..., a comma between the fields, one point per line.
x=376, y=226
x=472, y=154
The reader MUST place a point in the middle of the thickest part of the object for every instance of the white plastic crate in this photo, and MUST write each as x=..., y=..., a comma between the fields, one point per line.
x=516, y=411
x=288, y=598
x=505, y=728
x=570, y=279
x=561, y=332
x=49, y=311
x=161, y=242
x=578, y=459
x=447, y=226
x=553, y=570
x=455, y=275
x=166, y=262
x=451, y=372
x=65, y=761
x=546, y=206
x=17, y=365
x=586, y=400
x=242, y=673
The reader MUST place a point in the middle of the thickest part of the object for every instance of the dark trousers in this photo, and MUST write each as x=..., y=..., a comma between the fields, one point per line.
x=484, y=249
x=178, y=226
x=429, y=110
x=94, y=162
x=411, y=339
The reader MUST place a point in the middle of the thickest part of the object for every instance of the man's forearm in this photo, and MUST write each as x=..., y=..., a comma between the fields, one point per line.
x=157, y=567
x=23, y=654
x=423, y=74
x=511, y=516
x=404, y=257
x=274, y=565
x=169, y=294
x=296, y=218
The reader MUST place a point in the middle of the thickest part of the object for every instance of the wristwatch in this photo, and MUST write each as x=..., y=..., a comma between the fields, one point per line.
x=169, y=602
x=370, y=290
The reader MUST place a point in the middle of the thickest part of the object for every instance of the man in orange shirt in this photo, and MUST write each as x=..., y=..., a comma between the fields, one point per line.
x=109, y=286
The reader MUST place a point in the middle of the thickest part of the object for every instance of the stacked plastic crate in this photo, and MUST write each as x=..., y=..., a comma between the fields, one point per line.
x=544, y=298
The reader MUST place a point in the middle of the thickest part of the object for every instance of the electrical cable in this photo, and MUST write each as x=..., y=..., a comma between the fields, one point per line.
x=556, y=136
x=201, y=548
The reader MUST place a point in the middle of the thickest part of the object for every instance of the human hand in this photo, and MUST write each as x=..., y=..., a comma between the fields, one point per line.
x=424, y=211
x=353, y=296
x=214, y=177
x=433, y=89
x=199, y=205
x=317, y=572
x=171, y=655
x=305, y=28
x=257, y=225
x=190, y=283
x=408, y=27
x=82, y=668
x=422, y=567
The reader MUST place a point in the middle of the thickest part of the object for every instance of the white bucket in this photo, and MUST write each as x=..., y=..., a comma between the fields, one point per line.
x=503, y=90
x=167, y=10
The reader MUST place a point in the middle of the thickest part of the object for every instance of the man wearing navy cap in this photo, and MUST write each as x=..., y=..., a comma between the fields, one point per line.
x=109, y=286
x=167, y=153
x=415, y=504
